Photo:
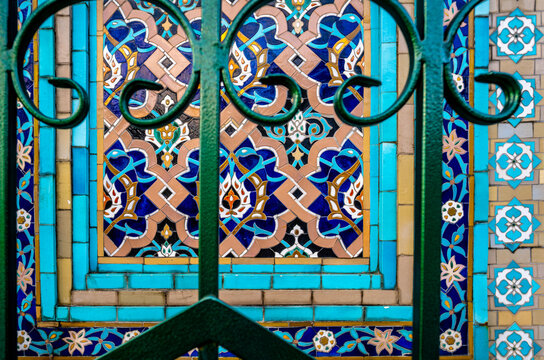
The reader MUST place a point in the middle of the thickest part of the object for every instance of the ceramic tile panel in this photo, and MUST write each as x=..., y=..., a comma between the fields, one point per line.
x=514, y=200
x=305, y=239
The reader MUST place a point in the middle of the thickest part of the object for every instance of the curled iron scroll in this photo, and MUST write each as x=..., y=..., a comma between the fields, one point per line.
x=509, y=85
x=19, y=49
x=138, y=84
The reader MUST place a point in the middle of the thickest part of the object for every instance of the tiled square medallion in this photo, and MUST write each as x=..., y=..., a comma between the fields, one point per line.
x=514, y=287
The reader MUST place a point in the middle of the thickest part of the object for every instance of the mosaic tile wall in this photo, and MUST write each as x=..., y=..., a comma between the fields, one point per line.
x=515, y=194
x=334, y=286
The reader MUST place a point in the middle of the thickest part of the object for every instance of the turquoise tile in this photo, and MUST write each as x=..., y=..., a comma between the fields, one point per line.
x=296, y=281
x=481, y=148
x=388, y=263
x=186, y=281
x=303, y=268
x=223, y=268
x=246, y=281
x=388, y=216
x=141, y=313
x=92, y=166
x=345, y=281
x=254, y=313
x=80, y=218
x=166, y=268
x=80, y=29
x=92, y=205
x=481, y=41
x=481, y=342
x=48, y=249
x=481, y=196
x=93, y=255
x=374, y=201
x=106, y=281
x=388, y=27
x=249, y=268
x=373, y=248
x=479, y=302
x=47, y=200
x=338, y=313
x=121, y=268
x=388, y=313
x=288, y=313
x=48, y=295
x=47, y=152
x=80, y=167
x=482, y=10
x=376, y=282
x=150, y=281
x=388, y=71
x=172, y=311
x=345, y=268
x=63, y=313
x=481, y=240
x=93, y=313
x=388, y=167
x=388, y=128
x=80, y=265
x=92, y=146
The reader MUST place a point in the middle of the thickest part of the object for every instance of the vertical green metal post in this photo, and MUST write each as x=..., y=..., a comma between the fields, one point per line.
x=428, y=194
x=8, y=28
x=209, y=52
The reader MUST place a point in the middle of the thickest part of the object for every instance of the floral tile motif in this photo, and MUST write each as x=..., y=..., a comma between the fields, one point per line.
x=514, y=343
x=529, y=99
x=514, y=287
x=514, y=161
x=516, y=35
x=514, y=224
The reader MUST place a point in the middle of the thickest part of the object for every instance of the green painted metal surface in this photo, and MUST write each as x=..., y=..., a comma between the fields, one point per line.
x=210, y=322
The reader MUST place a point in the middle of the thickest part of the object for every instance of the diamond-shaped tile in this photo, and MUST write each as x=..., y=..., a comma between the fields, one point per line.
x=513, y=287
x=514, y=343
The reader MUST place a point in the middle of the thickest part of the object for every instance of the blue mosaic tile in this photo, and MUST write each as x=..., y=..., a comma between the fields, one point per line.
x=514, y=224
x=515, y=343
x=516, y=35
x=513, y=287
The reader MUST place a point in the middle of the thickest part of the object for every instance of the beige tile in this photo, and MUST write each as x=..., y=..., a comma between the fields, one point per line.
x=64, y=233
x=337, y=297
x=142, y=298
x=405, y=230
x=64, y=281
x=64, y=185
x=522, y=318
x=94, y=297
x=182, y=297
x=521, y=256
x=405, y=182
x=405, y=279
x=288, y=297
x=380, y=297
x=241, y=297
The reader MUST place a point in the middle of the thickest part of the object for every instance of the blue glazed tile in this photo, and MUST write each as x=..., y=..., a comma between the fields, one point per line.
x=80, y=32
x=141, y=313
x=388, y=263
x=166, y=268
x=93, y=255
x=249, y=268
x=526, y=347
x=345, y=281
x=388, y=128
x=373, y=248
x=121, y=268
x=150, y=281
x=80, y=264
x=479, y=299
x=376, y=282
x=48, y=295
x=48, y=249
x=172, y=311
x=388, y=313
x=80, y=166
x=93, y=313
x=92, y=168
x=388, y=168
x=480, y=341
x=254, y=313
x=223, y=268
x=481, y=39
x=47, y=201
x=388, y=28
x=47, y=152
x=303, y=268
x=338, y=313
x=106, y=281
x=295, y=281
x=291, y=313
x=80, y=218
x=93, y=205
x=354, y=269
x=481, y=148
x=388, y=216
x=63, y=313
x=186, y=281
x=481, y=240
x=247, y=281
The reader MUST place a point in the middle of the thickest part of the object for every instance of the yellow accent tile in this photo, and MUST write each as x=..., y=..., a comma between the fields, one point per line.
x=406, y=179
x=64, y=185
x=522, y=318
x=405, y=230
x=64, y=273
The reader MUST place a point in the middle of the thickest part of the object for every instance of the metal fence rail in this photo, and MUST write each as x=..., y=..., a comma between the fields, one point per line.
x=210, y=322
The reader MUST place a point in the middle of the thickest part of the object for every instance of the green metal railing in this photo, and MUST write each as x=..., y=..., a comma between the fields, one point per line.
x=210, y=322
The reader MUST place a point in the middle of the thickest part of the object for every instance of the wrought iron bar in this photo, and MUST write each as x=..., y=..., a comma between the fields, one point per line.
x=210, y=322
